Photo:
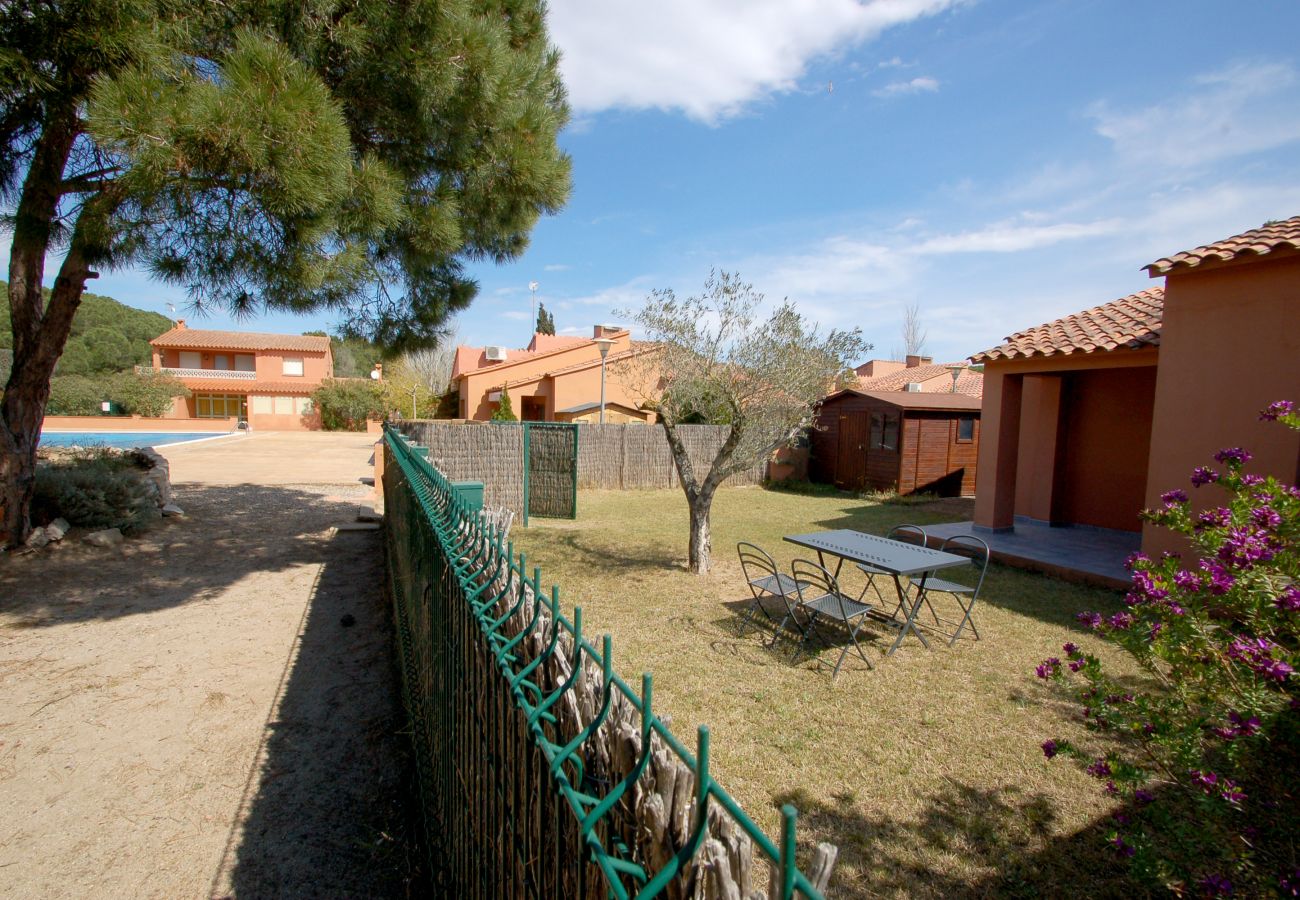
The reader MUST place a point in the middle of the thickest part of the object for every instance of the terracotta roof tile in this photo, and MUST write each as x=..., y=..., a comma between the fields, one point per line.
x=202, y=339
x=932, y=400
x=1283, y=235
x=1130, y=322
x=968, y=382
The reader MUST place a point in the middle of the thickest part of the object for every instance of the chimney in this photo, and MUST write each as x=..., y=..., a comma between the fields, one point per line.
x=913, y=361
x=180, y=324
x=601, y=331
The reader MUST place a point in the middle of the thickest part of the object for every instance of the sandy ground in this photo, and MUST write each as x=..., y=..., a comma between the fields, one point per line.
x=188, y=715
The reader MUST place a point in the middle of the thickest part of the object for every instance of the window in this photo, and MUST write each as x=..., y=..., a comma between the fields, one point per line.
x=292, y=366
x=191, y=360
x=221, y=361
x=304, y=405
x=284, y=406
x=884, y=431
x=244, y=362
x=263, y=406
x=220, y=406
x=965, y=430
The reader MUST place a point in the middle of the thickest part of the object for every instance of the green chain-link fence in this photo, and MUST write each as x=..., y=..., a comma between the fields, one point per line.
x=542, y=774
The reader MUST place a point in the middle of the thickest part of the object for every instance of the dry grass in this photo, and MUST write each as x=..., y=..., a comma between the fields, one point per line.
x=926, y=772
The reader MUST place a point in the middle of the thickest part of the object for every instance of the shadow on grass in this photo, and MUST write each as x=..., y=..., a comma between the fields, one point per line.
x=229, y=533
x=582, y=551
x=1004, y=832
x=324, y=810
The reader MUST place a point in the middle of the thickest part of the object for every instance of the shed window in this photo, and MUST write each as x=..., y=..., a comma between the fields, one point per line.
x=965, y=430
x=884, y=431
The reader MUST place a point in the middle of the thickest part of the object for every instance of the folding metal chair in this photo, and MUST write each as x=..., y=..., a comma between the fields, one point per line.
x=978, y=552
x=765, y=580
x=820, y=597
x=907, y=534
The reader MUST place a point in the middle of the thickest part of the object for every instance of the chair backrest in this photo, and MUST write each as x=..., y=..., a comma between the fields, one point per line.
x=813, y=580
x=908, y=534
x=755, y=562
x=970, y=546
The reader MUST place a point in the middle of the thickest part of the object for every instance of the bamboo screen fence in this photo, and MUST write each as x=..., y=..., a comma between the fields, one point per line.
x=541, y=773
x=614, y=457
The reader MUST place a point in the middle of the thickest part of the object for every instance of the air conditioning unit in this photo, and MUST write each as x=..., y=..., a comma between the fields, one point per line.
x=913, y=387
x=495, y=354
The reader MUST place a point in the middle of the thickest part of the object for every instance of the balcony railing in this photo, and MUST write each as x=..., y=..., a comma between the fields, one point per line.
x=223, y=374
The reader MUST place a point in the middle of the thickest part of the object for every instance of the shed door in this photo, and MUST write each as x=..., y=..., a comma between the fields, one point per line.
x=851, y=464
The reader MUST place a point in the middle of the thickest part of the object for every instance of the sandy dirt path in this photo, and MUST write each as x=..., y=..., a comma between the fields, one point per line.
x=188, y=715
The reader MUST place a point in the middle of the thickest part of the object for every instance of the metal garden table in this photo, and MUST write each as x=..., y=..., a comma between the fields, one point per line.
x=894, y=558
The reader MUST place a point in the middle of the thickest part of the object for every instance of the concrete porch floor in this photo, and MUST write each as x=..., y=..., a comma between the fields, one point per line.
x=1092, y=555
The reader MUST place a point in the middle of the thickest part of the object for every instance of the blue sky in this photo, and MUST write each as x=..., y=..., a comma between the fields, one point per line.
x=997, y=163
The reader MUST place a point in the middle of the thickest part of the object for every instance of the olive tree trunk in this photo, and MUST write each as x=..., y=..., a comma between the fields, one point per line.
x=699, y=494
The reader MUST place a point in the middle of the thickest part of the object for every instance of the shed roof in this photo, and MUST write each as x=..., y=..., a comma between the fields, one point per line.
x=1268, y=238
x=1131, y=322
x=968, y=381
x=916, y=400
x=203, y=339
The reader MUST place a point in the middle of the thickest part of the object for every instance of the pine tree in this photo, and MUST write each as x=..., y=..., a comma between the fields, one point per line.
x=265, y=156
x=505, y=412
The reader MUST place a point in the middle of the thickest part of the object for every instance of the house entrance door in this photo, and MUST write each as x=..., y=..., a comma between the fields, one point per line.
x=851, y=461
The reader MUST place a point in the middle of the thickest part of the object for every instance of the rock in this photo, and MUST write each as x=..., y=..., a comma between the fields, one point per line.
x=57, y=529
x=171, y=509
x=109, y=537
x=37, y=539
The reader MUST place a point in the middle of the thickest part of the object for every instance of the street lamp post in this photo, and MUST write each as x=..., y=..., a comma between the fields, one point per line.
x=532, y=289
x=604, y=344
x=956, y=373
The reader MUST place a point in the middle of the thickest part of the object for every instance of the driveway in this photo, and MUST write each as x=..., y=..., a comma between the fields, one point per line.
x=209, y=710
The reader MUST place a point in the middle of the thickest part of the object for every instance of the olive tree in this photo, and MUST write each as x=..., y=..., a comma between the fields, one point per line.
x=723, y=358
x=347, y=155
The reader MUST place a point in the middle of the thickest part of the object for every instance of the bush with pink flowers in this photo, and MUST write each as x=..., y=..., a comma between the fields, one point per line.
x=1203, y=754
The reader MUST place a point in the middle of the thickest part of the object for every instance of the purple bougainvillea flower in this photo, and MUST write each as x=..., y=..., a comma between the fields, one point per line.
x=1253, y=480
x=1049, y=748
x=1111, y=788
x=1276, y=410
x=1070, y=648
x=1121, y=847
x=1174, y=497
x=1099, y=769
x=1142, y=797
x=1233, y=456
x=1289, y=599
x=1218, y=517
x=1216, y=886
x=1121, y=620
x=1188, y=581
x=1245, y=546
x=1266, y=517
x=1220, y=580
x=1077, y=664
x=1091, y=619
x=1202, y=475
x=1047, y=668
x=1134, y=558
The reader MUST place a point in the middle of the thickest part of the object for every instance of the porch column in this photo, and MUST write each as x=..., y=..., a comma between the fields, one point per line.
x=995, y=500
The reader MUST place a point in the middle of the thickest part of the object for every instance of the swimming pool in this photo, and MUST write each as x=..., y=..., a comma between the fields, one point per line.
x=123, y=439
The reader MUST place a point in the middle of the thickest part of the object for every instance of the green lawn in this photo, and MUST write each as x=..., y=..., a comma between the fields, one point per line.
x=926, y=772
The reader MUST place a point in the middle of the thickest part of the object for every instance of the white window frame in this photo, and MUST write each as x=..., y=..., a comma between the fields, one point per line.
x=289, y=363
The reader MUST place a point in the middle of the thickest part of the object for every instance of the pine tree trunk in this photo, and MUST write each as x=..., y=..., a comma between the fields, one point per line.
x=699, y=560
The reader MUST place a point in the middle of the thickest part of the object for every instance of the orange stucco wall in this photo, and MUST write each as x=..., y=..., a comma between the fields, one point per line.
x=1064, y=439
x=268, y=364
x=1229, y=347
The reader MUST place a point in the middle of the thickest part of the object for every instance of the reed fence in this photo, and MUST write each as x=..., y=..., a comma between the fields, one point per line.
x=542, y=773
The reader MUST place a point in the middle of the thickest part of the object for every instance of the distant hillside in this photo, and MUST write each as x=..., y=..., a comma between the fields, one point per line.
x=107, y=336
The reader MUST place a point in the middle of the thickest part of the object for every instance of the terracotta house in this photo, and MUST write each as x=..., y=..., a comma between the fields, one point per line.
x=909, y=441
x=1089, y=418
x=555, y=379
x=264, y=379
x=921, y=371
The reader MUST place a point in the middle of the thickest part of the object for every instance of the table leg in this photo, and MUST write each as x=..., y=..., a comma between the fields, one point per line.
x=910, y=623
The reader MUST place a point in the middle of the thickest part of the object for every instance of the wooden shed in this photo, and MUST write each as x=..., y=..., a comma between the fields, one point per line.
x=912, y=442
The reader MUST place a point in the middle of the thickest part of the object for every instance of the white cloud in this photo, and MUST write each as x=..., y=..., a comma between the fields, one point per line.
x=707, y=58
x=556, y=267
x=517, y=315
x=923, y=84
x=1246, y=108
x=1012, y=238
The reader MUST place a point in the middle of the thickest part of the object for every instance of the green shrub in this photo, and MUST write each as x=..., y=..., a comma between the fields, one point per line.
x=145, y=395
x=95, y=488
x=345, y=403
x=505, y=412
x=76, y=395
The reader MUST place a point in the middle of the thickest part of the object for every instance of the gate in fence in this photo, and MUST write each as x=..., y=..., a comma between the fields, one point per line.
x=550, y=470
x=541, y=773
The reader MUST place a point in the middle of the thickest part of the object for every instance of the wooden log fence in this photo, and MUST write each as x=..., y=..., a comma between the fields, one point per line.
x=541, y=772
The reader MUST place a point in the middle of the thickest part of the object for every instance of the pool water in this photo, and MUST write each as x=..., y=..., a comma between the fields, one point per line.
x=123, y=439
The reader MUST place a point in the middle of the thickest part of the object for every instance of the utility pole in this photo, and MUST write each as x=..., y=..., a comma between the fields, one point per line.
x=532, y=289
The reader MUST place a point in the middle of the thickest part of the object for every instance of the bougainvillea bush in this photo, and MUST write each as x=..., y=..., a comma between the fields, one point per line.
x=1203, y=754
